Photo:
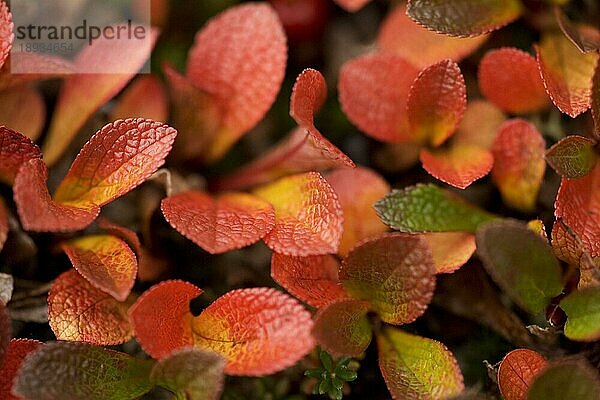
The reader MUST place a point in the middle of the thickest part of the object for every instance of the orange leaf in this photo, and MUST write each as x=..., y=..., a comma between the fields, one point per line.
x=3, y=223
x=105, y=261
x=459, y=166
x=308, y=95
x=239, y=57
x=308, y=216
x=312, y=279
x=436, y=103
x=351, y=5
x=479, y=124
x=219, y=224
x=373, y=91
x=258, y=330
x=15, y=149
x=585, y=37
x=394, y=272
x=161, y=317
x=37, y=210
x=83, y=94
x=358, y=189
x=518, y=163
x=17, y=350
x=450, y=250
x=129, y=236
x=342, y=328
x=119, y=157
x=578, y=205
x=510, y=78
x=516, y=372
x=6, y=32
x=78, y=311
x=419, y=46
x=145, y=98
x=28, y=119
x=567, y=73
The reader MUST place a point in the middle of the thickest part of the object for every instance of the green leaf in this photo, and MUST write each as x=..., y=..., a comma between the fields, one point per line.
x=191, y=373
x=572, y=157
x=346, y=374
x=464, y=18
x=80, y=371
x=326, y=360
x=429, y=208
x=417, y=368
x=521, y=263
x=566, y=380
x=583, y=311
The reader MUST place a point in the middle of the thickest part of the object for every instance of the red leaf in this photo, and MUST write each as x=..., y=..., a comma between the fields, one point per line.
x=373, y=91
x=351, y=5
x=516, y=372
x=3, y=223
x=129, y=236
x=421, y=47
x=308, y=95
x=118, y=158
x=37, y=210
x=459, y=166
x=510, y=78
x=17, y=350
x=450, y=250
x=308, y=216
x=219, y=224
x=5, y=331
x=567, y=73
x=83, y=94
x=15, y=149
x=105, y=261
x=161, y=317
x=29, y=119
x=145, y=98
x=596, y=101
x=312, y=279
x=585, y=37
x=394, y=272
x=518, y=163
x=436, y=103
x=258, y=330
x=357, y=190
x=6, y=32
x=78, y=311
x=239, y=57
x=342, y=328
x=578, y=204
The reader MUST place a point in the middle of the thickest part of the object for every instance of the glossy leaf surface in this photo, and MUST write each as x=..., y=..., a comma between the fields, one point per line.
x=510, y=78
x=464, y=17
x=572, y=157
x=519, y=164
x=419, y=46
x=566, y=380
x=258, y=330
x=308, y=215
x=311, y=279
x=86, y=372
x=417, y=368
x=436, y=103
x=521, y=263
x=429, y=208
x=357, y=190
x=161, y=317
x=516, y=372
x=342, y=328
x=221, y=223
x=394, y=273
x=17, y=350
x=239, y=57
x=373, y=91
x=458, y=166
x=191, y=374
x=105, y=261
x=77, y=311
x=583, y=311
x=15, y=149
x=567, y=73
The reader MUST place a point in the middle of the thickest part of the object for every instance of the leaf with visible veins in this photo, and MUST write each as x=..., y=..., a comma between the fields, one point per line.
x=15, y=150
x=516, y=372
x=572, y=157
